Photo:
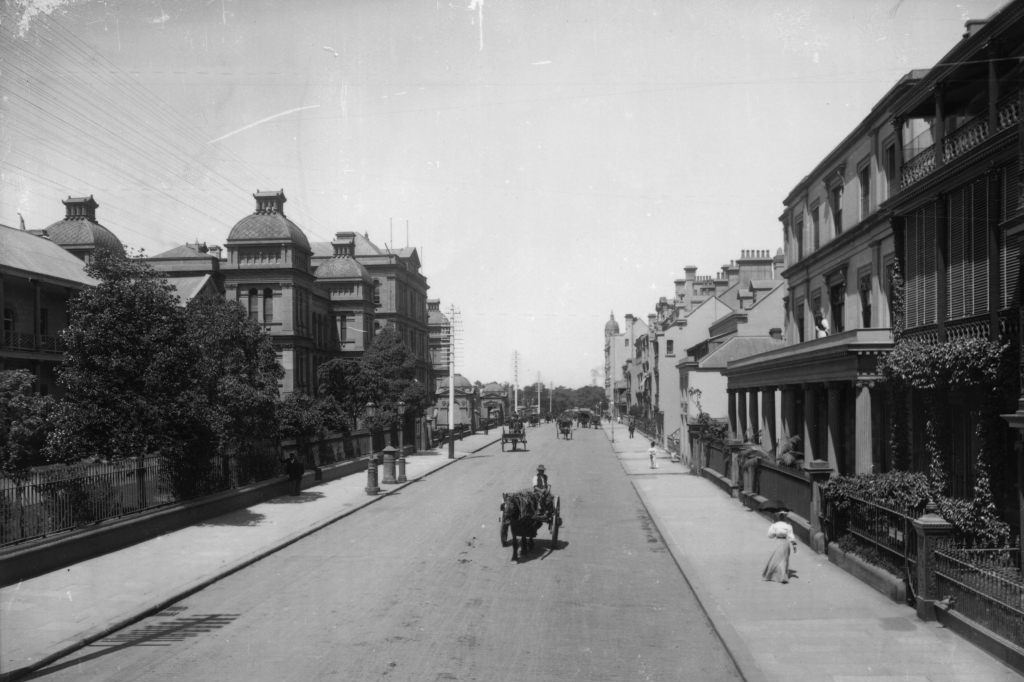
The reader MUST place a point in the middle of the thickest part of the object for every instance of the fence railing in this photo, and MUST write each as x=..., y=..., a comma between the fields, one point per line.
x=983, y=585
x=887, y=530
x=56, y=499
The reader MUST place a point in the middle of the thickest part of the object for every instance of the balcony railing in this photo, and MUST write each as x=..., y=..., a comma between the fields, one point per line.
x=963, y=139
x=27, y=342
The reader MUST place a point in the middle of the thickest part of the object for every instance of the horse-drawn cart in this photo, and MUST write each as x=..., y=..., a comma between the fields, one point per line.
x=514, y=434
x=523, y=513
x=564, y=428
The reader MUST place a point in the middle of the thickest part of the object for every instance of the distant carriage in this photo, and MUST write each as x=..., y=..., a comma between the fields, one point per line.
x=514, y=434
x=564, y=427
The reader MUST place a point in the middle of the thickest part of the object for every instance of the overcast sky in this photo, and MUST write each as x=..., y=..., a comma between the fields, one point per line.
x=552, y=160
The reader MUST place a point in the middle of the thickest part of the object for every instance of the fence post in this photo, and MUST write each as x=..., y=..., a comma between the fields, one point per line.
x=819, y=471
x=929, y=527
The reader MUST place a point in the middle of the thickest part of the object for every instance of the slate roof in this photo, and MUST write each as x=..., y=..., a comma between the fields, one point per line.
x=185, y=251
x=188, y=288
x=342, y=267
x=739, y=347
x=82, y=232
x=268, y=226
x=29, y=253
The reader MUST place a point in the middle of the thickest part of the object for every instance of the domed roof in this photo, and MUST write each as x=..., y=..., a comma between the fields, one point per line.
x=611, y=327
x=343, y=267
x=268, y=222
x=79, y=228
x=461, y=383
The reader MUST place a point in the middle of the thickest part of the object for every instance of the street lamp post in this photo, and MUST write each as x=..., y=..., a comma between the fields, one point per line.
x=401, y=442
x=371, y=464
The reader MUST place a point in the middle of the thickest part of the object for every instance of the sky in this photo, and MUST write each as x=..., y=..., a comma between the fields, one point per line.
x=552, y=161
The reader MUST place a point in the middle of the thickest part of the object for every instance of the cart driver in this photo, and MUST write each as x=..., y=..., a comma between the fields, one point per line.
x=541, y=486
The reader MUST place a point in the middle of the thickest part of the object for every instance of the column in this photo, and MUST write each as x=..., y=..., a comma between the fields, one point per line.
x=753, y=419
x=809, y=447
x=788, y=412
x=835, y=427
x=863, y=429
x=741, y=409
x=768, y=433
x=733, y=423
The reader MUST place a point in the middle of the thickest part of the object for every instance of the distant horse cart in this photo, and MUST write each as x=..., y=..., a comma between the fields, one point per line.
x=522, y=515
x=564, y=428
x=514, y=434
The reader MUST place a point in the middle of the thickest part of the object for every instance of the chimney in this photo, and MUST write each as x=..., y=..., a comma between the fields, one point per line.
x=270, y=202
x=344, y=244
x=691, y=272
x=81, y=208
x=215, y=251
x=972, y=26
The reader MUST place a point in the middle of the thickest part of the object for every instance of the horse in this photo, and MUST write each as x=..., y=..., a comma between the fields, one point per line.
x=519, y=519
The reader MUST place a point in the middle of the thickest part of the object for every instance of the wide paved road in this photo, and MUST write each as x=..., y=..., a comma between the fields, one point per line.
x=417, y=587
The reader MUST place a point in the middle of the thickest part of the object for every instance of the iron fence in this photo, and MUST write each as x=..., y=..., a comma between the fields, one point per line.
x=787, y=484
x=889, y=531
x=983, y=585
x=60, y=498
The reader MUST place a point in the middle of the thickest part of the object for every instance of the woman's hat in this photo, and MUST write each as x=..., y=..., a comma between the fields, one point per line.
x=540, y=467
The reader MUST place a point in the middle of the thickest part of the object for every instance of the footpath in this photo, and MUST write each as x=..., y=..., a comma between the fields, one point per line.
x=823, y=625
x=48, y=617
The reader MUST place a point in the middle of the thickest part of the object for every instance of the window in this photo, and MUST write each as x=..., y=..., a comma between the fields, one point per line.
x=890, y=170
x=254, y=302
x=837, y=303
x=836, y=197
x=8, y=325
x=967, y=249
x=376, y=292
x=798, y=318
x=268, y=306
x=44, y=322
x=798, y=236
x=669, y=346
x=864, y=287
x=815, y=225
x=864, y=177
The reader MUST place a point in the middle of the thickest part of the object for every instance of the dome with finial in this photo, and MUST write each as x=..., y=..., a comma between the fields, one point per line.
x=611, y=327
x=79, y=232
x=268, y=222
x=343, y=267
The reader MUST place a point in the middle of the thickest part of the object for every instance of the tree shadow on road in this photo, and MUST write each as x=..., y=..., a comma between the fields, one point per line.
x=241, y=517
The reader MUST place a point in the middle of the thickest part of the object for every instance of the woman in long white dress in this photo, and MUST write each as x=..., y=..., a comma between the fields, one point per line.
x=781, y=532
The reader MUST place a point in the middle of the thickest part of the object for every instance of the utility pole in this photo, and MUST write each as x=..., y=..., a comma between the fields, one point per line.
x=538, y=394
x=515, y=380
x=453, y=320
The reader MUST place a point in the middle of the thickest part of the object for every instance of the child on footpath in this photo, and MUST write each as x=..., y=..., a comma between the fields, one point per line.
x=651, y=453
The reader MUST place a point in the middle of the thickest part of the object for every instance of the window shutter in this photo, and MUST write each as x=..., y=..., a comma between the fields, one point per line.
x=979, y=250
x=929, y=294
x=956, y=254
x=1010, y=175
x=1010, y=270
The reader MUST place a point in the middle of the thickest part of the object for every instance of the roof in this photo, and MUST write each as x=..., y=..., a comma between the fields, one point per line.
x=739, y=347
x=185, y=251
x=82, y=232
x=188, y=288
x=342, y=267
x=611, y=327
x=268, y=226
x=361, y=243
x=437, y=318
x=29, y=253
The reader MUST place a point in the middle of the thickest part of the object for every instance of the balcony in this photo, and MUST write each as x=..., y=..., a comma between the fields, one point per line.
x=16, y=341
x=962, y=140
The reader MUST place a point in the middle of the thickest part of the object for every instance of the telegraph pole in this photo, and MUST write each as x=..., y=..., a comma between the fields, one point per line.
x=515, y=380
x=453, y=320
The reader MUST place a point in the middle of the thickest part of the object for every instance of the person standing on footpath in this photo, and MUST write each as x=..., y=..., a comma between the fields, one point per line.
x=651, y=452
x=293, y=469
x=777, y=567
x=632, y=427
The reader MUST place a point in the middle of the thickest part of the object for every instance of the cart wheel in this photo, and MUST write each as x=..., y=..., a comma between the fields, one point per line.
x=556, y=520
x=504, y=533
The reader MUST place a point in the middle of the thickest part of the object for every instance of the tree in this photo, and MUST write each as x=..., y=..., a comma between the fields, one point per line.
x=125, y=367
x=304, y=418
x=24, y=423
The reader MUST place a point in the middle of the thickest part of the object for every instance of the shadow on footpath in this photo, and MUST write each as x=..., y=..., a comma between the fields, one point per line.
x=242, y=517
x=542, y=549
x=164, y=633
x=301, y=498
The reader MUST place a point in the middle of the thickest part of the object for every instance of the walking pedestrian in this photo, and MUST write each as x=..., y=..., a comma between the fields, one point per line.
x=777, y=567
x=651, y=452
x=632, y=427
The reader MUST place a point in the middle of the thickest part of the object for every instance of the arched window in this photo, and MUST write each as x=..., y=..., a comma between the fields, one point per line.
x=268, y=306
x=254, y=302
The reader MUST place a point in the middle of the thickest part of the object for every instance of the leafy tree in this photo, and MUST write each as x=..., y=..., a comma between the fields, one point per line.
x=24, y=423
x=304, y=418
x=340, y=379
x=125, y=367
